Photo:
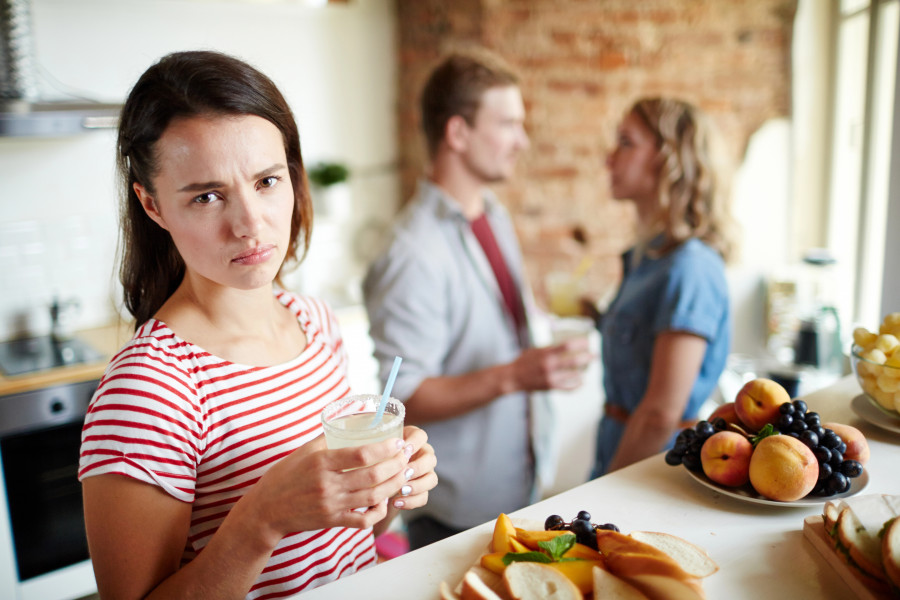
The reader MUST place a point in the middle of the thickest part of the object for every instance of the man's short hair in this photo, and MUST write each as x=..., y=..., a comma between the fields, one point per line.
x=455, y=88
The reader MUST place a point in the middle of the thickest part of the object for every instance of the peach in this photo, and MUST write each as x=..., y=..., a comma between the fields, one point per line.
x=857, y=446
x=725, y=457
x=757, y=403
x=726, y=411
x=783, y=468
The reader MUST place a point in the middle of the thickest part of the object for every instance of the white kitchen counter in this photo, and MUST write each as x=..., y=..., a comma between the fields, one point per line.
x=760, y=549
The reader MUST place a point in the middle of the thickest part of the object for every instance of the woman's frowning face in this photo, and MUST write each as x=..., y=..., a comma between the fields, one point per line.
x=224, y=194
x=634, y=164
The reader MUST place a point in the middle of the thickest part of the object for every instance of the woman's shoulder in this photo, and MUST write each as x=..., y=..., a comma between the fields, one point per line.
x=696, y=252
x=314, y=314
x=155, y=348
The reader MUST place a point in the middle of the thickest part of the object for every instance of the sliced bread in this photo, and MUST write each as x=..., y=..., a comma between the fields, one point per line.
x=890, y=552
x=692, y=559
x=475, y=588
x=660, y=587
x=536, y=581
x=864, y=549
x=607, y=585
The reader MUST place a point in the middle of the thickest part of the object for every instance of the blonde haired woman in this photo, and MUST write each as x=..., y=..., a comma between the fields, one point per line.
x=666, y=334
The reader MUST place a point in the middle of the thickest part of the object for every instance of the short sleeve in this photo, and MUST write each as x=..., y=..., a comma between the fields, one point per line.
x=695, y=297
x=405, y=301
x=145, y=422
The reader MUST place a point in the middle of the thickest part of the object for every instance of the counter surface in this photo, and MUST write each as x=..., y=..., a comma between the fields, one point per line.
x=760, y=549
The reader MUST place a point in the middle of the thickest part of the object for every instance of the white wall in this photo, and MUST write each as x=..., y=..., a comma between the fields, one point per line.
x=336, y=65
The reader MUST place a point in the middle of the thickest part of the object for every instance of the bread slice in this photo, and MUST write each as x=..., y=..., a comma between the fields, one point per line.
x=890, y=552
x=863, y=548
x=660, y=587
x=476, y=579
x=475, y=588
x=536, y=581
x=612, y=542
x=830, y=515
x=607, y=585
x=692, y=559
x=628, y=564
x=447, y=593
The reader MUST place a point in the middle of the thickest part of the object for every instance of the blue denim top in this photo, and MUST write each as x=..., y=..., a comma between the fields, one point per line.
x=683, y=290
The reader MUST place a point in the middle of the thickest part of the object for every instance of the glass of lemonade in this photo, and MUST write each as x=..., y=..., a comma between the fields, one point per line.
x=348, y=421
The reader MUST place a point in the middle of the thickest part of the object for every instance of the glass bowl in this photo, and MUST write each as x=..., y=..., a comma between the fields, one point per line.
x=880, y=382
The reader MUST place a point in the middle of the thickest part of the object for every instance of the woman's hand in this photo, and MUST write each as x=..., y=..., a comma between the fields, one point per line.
x=316, y=488
x=420, y=476
x=420, y=473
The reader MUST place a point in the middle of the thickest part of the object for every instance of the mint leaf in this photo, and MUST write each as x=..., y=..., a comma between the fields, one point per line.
x=534, y=556
x=765, y=432
x=558, y=546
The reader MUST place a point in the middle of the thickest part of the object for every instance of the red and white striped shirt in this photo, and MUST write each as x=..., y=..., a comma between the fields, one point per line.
x=205, y=430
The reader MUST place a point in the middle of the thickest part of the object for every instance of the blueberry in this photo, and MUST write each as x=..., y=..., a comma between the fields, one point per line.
x=843, y=447
x=851, y=468
x=831, y=439
x=812, y=418
x=836, y=459
x=705, y=429
x=608, y=527
x=800, y=406
x=784, y=422
x=838, y=483
x=825, y=471
x=823, y=454
x=786, y=408
x=584, y=515
x=673, y=457
x=554, y=522
x=810, y=439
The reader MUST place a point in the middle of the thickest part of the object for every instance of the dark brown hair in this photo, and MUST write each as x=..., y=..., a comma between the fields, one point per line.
x=691, y=200
x=455, y=88
x=190, y=84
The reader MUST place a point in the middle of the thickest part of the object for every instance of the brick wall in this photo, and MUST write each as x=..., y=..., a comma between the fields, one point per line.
x=583, y=63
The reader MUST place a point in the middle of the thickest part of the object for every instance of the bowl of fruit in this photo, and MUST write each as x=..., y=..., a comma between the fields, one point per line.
x=767, y=448
x=875, y=358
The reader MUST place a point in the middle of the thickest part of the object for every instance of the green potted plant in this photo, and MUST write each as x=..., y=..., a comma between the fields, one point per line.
x=328, y=186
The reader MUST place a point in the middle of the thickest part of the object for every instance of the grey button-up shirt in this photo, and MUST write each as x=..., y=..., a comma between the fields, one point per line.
x=432, y=299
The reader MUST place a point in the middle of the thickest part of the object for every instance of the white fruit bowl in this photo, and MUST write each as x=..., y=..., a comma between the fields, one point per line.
x=880, y=382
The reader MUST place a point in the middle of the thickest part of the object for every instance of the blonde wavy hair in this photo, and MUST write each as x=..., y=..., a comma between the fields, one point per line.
x=691, y=201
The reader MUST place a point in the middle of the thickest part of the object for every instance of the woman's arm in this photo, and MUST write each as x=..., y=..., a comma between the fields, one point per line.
x=137, y=533
x=677, y=357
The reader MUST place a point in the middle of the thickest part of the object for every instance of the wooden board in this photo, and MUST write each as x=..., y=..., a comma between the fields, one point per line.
x=814, y=532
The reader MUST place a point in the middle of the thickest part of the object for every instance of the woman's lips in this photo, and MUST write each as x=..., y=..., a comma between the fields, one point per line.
x=255, y=256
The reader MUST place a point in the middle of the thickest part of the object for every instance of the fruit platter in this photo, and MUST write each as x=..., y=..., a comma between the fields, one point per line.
x=579, y=559
x=766, y=448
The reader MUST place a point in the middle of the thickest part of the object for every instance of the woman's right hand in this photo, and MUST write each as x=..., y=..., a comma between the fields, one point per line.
x=316, y=488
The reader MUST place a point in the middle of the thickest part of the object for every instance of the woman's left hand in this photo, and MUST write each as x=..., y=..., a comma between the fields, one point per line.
x=420, y=472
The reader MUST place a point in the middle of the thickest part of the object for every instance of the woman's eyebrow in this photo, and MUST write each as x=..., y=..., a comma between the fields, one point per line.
x=205, y=185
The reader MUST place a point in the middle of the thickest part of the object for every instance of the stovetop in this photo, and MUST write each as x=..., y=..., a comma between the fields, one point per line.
x=28, y=355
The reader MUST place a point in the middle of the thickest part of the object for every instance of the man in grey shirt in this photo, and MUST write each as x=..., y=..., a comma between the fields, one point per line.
x=449, y=296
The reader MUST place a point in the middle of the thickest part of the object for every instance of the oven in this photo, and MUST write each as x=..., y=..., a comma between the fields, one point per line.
x=43, y=547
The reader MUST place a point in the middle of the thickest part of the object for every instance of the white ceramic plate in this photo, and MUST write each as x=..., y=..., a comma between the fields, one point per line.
x=748, y=494
x=871, y=412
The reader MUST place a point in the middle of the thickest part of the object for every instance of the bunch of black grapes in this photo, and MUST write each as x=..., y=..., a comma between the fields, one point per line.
x=686, y=450
x=835, y=472
x=585, y=531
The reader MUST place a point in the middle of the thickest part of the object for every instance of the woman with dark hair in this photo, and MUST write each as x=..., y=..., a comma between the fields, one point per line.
x=667, y=333
x=203, y=469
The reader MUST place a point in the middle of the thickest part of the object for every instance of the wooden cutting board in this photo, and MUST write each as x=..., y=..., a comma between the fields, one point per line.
x=814, y=532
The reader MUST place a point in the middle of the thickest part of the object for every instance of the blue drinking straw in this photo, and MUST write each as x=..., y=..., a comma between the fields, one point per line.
x=387, y=391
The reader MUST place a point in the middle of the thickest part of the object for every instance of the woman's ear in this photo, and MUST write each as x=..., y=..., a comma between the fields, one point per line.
x=149, y=204
x=456, y=133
